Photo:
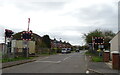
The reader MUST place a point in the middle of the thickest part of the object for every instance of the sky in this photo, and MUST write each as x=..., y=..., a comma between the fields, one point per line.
x=67, y=20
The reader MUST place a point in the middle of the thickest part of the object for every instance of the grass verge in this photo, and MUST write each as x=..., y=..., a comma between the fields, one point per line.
x=97, y=59
x=88, y=53
x=15, y=59
x=46, y=54
x=23, y=58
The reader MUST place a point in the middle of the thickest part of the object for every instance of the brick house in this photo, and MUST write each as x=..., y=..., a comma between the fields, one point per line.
x=59, y=44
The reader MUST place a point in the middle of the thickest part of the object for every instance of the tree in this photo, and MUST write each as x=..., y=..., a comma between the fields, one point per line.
x=107, y=34
x=95, y=33
x=47, y=41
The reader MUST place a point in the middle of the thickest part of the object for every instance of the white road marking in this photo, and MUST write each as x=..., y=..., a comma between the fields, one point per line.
x=41, y=60
x=94, y=71
x=66, y=58
x=49, y=61
x=109, y=65
x=87, y=72
x=44, y=58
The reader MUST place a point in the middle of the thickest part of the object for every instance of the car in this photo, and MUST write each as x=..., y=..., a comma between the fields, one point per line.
x=69, y=50
x=65, y=50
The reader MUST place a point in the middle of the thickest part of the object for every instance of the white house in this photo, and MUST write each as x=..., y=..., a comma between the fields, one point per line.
x=115, y=44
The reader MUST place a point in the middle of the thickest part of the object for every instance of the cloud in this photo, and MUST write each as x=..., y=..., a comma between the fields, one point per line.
x=40, y=6
x=100, y=16
x=66, y=19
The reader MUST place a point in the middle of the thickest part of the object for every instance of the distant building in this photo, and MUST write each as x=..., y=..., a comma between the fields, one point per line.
x=54, y=43
x=59, y=44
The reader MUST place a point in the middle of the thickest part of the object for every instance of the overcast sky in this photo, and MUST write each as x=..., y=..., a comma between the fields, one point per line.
x=65, y=19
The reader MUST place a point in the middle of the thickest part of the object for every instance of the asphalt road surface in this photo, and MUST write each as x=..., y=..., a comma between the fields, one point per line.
x=61, y=63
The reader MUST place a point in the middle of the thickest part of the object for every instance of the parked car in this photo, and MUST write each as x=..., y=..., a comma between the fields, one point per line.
x=69, y=50
x=66, y=50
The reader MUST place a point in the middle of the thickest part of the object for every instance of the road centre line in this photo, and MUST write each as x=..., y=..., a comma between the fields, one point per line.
x=43, y=58
x=66, y=58
x=49, y=61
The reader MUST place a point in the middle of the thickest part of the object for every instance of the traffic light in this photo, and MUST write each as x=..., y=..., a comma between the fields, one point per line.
x=8, y=33
x=99, y=40
x=26, y=35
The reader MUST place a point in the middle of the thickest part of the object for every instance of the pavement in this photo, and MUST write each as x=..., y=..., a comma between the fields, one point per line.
x=101, y=67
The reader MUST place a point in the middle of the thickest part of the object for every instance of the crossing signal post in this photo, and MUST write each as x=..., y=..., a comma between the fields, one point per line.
x=26, y=36
x=99, y=41
x=8, y=34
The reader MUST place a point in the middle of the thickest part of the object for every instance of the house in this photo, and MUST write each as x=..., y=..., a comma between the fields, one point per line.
x=59, y=44
x=54, y=43
x=20, y=44
x=35, y=37
x=115, y=44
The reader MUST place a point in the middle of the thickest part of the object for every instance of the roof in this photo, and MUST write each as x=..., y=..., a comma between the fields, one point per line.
x=114, y=36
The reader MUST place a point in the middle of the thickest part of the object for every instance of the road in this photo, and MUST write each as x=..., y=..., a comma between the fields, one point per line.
x=60, y=63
